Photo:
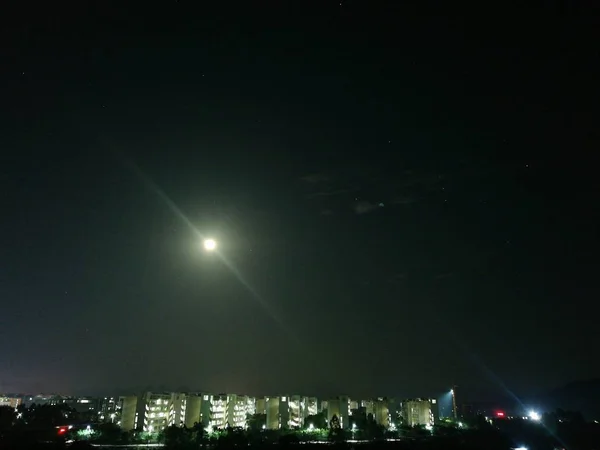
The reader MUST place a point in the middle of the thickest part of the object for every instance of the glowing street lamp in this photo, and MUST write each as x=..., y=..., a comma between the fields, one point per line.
x=534, y=416
x=210, y=245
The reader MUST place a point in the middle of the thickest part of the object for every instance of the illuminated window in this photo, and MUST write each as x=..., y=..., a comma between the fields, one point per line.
x=283, y=399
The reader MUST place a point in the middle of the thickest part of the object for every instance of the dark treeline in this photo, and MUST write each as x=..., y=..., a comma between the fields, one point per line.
x=61, y=427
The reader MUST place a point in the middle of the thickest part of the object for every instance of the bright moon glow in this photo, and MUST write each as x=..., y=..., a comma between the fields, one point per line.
x=210, y=244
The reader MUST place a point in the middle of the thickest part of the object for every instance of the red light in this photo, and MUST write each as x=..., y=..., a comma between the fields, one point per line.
x=62, y=430
x=500, y=414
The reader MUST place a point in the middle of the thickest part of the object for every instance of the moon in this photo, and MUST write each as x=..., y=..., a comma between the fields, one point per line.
x=210, y=244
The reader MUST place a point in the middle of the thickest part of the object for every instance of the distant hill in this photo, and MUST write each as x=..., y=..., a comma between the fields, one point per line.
x=582, y=396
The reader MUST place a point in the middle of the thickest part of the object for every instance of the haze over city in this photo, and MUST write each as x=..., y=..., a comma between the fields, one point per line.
x=396, y=205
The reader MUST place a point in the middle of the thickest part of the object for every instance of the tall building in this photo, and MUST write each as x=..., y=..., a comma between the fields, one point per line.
x=420, y=412
x=193, y=410
x=338, y=406
x=214, y=411
x=369, y=406
x=127, y=413
x=297, y=411
x=239, y=407
x=261, y=405
x=381, y=412
x=312, y=406
x=153, y=412
x=278, y=412
x=157, y=411
x=108, y=409
x=300, y=407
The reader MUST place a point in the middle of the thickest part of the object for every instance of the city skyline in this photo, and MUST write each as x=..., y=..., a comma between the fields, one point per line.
x=155, y=411
x=324, y=198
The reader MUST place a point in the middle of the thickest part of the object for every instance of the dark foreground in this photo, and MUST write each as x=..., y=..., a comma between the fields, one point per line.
x=464, y=443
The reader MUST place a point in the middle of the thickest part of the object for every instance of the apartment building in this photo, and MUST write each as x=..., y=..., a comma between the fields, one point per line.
x=381, y=412
x=420, y=412
x=239, y=407
x=278, y=412
x=339, y=406
x=214, y=411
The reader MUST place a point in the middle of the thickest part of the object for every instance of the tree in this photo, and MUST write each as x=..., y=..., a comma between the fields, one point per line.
x=198, y=434
x=335, y=429
x=233, y=437
x=108, y=433
x=176, y=437
x=256, y=422
x=372, y=429
x=48, y=416
x=8, y=416
x=318, y=421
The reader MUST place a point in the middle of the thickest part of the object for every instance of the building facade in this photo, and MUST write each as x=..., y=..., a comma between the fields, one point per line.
x=339, y=407
x=420, y=412
x=12, y=402
x=239, y=407
x=127, y=414
x=214, y=411
x=278, y=412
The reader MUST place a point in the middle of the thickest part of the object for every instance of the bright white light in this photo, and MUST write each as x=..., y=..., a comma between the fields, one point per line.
x=354, y=426
x=534, y=416
x=311, y=427
x=210, y=244
x=520, y=448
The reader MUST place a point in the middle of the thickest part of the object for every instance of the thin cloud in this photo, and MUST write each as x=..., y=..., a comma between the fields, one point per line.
x=316, y=178
x=332, y=192
x=403, y=200
x=364, y=207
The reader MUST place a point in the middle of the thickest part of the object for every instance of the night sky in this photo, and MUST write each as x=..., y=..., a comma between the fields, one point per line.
x=402, y=200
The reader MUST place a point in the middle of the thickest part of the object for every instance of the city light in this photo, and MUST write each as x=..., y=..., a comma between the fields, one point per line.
x=210, y=244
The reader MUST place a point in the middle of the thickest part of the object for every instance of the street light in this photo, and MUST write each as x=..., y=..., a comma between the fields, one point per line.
x=210, y=245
